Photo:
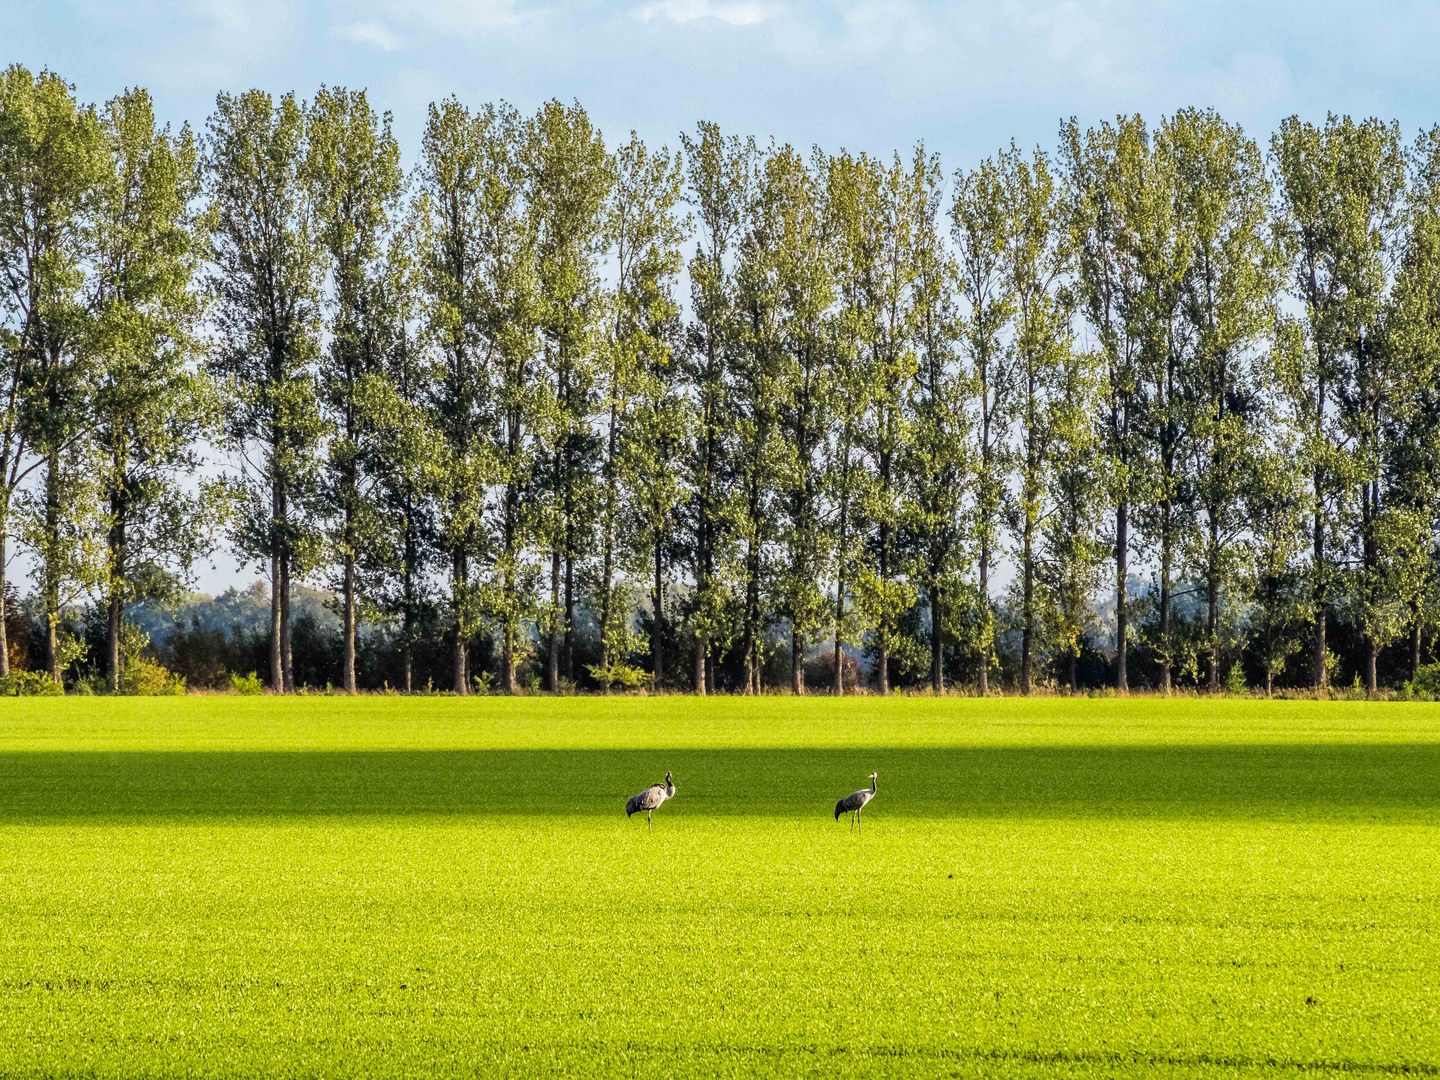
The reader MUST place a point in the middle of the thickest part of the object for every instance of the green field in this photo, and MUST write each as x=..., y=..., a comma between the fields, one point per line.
x=416, y=887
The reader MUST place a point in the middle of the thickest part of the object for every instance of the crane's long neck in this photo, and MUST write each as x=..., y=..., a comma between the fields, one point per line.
x=873, y=788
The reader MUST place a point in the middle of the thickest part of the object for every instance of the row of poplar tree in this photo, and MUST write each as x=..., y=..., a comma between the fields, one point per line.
x=474, y=388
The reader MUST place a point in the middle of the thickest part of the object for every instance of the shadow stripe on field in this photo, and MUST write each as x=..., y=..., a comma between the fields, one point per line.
x=1284, y=781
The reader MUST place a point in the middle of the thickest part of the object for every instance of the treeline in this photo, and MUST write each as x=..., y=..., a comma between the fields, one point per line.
x=597, y=416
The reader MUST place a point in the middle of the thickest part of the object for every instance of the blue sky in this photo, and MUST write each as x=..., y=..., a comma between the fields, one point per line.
x=963, y=77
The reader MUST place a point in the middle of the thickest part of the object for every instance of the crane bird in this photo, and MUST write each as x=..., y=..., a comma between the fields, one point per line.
x=650, y=800
x=855, y=802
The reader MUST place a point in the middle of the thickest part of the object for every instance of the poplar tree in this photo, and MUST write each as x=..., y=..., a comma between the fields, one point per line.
x=1164, y=408
x=980, y=231
x=477, y=280
x=353, y=172
x=1104, y=167
x=1036, y=259
x=53, y=166
x=853, y=197
x=718, y=173
x=1228, y=299
x=509, y=317
x=1072, y=552
x=265, y=277
x=939, y=461
x=1276, y=507
x=1412, y=339
x=151, y=410
x=791, y=227
x=568, y=181
x=639, y=383
x=897, y=222
x=1339, y=189
x=757, y=387
x=404, y=453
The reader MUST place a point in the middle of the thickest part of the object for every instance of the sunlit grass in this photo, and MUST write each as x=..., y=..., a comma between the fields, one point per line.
x=439, y=887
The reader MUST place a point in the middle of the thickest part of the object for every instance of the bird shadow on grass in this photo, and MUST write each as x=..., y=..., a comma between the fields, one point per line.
x=1297, y=782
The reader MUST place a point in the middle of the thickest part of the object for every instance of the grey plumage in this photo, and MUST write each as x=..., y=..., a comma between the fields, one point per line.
x=855, y=802
x=650, y=800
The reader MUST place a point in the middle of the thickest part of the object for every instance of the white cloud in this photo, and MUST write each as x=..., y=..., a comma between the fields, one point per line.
x=738, y=13
x=373, y=34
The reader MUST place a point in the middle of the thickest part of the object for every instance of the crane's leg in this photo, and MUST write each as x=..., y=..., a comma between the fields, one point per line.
x=650, y=821
x=860, y=823
x=852, y=821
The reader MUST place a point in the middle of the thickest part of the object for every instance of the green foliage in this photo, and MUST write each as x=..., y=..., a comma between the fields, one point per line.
x=29, y=684
x=622, y=675
x=482, y=383
x=1425, y=684
x=266, y=285
x=246, y=685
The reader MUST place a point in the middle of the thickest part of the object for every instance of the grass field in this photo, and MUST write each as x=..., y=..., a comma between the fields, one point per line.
x=438, y=887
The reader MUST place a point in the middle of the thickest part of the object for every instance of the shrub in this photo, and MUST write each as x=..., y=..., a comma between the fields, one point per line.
x=247, y=685
x=1425, y=686
x=141, y=677
x=625, y=676
x=29, y=684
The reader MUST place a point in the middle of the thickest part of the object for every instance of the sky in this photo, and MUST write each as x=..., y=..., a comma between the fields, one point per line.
x=963, y=78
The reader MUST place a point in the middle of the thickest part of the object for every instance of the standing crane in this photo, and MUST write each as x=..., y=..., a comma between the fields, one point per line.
x=650, y=800
x=854, y=803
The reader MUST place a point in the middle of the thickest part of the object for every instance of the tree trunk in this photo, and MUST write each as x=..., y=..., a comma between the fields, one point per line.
x=882, y=668
x=287, y=661
x=937, y=667
x=408, y=628
x=4, y=631
x=115, y=622
x=1371, y=498
x=116, y=618
x=1074, y=663
x=1212, y=603
x=52, y=582
x=1165, y=557
x=607, y=573
x=349, y=664
x=1319, y=594
x=507, y=661
x=277, y=668
x=797, y=664
x=1414, y=646
x=569, y=615
x=752, y=615
x=700, y=672
x=1027, y=631
x=985, y=643
x=1122, y=594
x=658, y=645
x=552, y=659
x=460, y=574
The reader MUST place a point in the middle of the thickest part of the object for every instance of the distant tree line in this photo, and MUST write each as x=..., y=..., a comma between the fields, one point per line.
x=1159, y=408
